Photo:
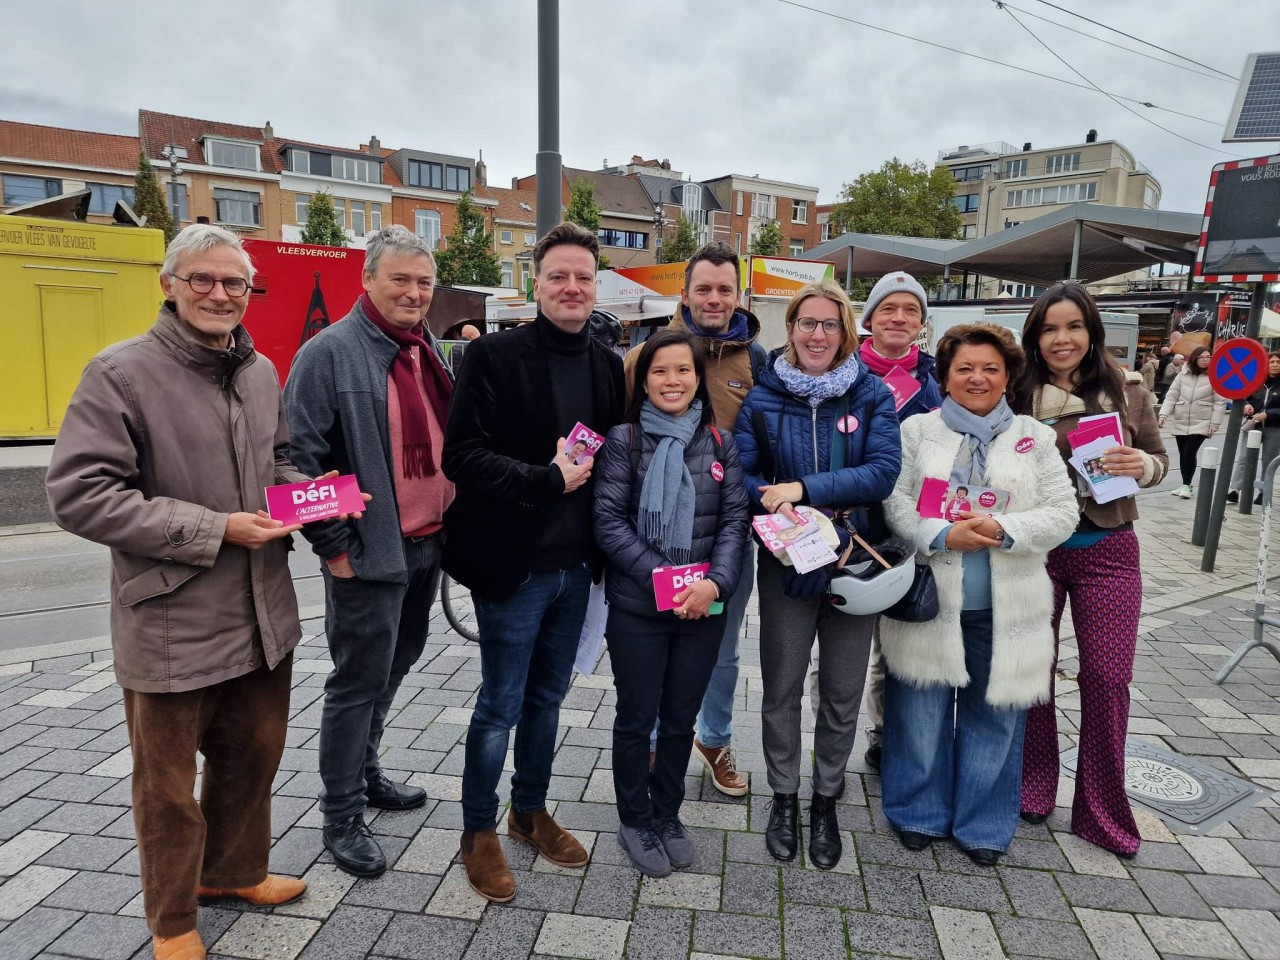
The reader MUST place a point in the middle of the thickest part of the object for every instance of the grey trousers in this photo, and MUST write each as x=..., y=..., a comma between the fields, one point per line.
x=872, y=694
x=787, y=631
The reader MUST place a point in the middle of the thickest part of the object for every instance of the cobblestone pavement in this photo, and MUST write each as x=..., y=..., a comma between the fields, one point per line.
x=72, y=887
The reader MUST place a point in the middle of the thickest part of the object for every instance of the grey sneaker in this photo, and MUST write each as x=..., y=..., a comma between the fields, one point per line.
x=676, y=841
x=644, y=847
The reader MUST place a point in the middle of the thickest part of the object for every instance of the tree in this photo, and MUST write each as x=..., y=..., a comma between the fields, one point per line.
x=148, y=200
x=768, y=240
x=683, y=245
x=468, y=256
x=322, y=222
x=584, y=211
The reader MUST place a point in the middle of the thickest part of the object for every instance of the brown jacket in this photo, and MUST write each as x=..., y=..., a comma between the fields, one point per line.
x=728, y=369
x=163, y=439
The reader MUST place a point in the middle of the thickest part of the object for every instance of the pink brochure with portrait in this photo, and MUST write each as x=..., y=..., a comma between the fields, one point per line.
x=668, y=581
x=902, y=385
x=313, y=500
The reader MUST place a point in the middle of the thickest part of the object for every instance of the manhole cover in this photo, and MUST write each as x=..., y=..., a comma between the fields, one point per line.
x=1151, y=780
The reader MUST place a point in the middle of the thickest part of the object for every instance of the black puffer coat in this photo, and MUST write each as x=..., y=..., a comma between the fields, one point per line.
x=719, y=520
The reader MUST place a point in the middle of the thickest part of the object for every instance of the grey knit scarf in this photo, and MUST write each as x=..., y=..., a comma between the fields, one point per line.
x=978, y=432
x=667, y=495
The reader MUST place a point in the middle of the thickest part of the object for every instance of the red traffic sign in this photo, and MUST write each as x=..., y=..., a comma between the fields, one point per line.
x=1238, y=368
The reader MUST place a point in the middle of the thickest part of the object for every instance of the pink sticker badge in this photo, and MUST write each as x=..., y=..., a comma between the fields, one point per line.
x=987, y=499
x=1025, y=445
x=847, y=424
x=717, y=472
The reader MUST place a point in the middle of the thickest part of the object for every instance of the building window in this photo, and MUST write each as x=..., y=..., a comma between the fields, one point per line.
x=424, y=174
x=506, y=236
x=1150, y=199
x=508, y=273
x=426, y=224
x=1062, y=193
x=969, y=231
x=799, y=211
x=457, y=178
x=103, y=197
x=1022, y=290
x=691, y=201
x=797, y=248
x=301, y=203
x=526, y=272
x=353, y=169
x=177, y=193
x=237, y=207
x=300, y=161
x=737, y=244
x=1062, y=163
x=1015, y=168
x=340, y=212
x=357, y=217
x=964, y=174
x=224, y=153
x=764, y=207
x=19, y=190
x=530, y=239
x=738, y=204
x=631, y=239
x=826, y=231
x=967, y=203
x=375, y=217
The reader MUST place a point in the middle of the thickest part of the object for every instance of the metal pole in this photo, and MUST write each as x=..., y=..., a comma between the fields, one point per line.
x=848, y=270
x=1253, y=449
x=548, y=166
x=1229, y=444
x=1075, y=250
x=1204, y=496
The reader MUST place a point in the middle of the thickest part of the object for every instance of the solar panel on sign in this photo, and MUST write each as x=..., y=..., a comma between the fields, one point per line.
x=1256, y=112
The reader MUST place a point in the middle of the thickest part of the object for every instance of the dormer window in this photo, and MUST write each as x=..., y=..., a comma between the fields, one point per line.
x=229, y=153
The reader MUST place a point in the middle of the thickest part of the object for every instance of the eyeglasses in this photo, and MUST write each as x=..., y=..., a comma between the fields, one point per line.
x=203, y=283
x=810, y=324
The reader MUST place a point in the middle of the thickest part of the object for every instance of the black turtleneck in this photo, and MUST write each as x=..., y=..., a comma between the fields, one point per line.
x=567, y=538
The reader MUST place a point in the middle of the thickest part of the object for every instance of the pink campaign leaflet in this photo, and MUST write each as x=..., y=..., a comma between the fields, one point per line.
x=313, y=500
x=668, y=581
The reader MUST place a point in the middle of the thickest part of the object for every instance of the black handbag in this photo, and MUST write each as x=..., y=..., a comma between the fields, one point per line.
x=920, y=603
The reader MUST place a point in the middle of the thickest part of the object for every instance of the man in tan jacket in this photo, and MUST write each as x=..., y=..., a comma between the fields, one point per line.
x=163, y=455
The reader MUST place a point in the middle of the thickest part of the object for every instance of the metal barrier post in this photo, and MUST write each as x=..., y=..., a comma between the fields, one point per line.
x=1253, y=448
x=1208, y=462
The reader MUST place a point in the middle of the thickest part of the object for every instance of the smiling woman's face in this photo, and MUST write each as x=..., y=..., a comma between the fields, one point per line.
x=977, y=378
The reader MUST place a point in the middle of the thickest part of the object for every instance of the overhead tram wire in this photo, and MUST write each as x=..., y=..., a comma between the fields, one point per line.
x=1116, y=100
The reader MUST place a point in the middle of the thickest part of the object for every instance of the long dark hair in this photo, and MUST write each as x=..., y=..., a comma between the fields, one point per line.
x=669, y=338
x=1191, y=367
x=1098, y=373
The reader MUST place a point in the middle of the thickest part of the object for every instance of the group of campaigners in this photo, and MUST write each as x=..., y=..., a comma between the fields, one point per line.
x=172, y=436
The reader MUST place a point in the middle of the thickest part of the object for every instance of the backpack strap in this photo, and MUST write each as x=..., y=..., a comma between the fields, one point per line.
x=764, y=450
x=719, y=441
x=759, y=360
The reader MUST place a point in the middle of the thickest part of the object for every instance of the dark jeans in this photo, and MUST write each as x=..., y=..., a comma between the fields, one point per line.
x=527, y=644
x=1188, y=447
x=661, y=669
x=376, y=633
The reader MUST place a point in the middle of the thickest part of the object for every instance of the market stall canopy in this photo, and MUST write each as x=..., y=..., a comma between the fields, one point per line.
x=1111, y=241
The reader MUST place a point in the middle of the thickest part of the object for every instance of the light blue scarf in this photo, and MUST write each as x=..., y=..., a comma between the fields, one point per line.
x=834, y=383
x=971, y=466
x=667, y=494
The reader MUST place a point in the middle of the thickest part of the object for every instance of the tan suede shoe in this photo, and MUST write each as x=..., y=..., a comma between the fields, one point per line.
x=271, y=892
x=189, y=946
x=556, y=845
x=486, y=866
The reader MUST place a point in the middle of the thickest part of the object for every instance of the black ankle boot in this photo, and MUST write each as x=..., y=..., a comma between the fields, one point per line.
x=824, y=833
x=782, y=835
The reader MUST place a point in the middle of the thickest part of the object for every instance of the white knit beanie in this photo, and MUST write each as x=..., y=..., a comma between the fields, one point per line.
x=890, y=283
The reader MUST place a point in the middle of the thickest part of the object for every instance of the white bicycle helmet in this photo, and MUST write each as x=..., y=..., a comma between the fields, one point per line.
x=864, y=586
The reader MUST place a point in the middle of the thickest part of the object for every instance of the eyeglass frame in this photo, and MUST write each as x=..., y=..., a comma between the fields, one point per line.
x=213, y=282
x=829, y=327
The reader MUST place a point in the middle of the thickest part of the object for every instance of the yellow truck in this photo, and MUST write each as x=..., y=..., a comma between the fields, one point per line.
x=67, y=289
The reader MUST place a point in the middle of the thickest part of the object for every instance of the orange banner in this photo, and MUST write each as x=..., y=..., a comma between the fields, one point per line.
x=666, y=279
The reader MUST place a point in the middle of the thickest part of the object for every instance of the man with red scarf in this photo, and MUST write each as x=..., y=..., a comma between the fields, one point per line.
x=370, y=396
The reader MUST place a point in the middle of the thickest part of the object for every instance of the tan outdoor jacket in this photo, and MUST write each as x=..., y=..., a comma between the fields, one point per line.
x=163, y=439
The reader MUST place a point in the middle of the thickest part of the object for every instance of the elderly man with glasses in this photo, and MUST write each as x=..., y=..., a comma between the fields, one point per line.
x=163, y=455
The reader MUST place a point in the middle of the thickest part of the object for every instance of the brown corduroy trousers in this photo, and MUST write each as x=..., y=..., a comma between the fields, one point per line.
x=224, y=839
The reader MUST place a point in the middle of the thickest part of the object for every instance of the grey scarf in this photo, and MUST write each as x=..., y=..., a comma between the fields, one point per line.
x=667, y=495
x=978, y=432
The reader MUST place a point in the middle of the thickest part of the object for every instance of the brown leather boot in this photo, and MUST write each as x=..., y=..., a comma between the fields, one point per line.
x=271, y=892
x=486, y=866
x=188, y=946
x=551, y=840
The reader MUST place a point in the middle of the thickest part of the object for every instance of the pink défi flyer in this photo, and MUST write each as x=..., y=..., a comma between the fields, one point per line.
x=669, y=581
x=582, y=442
x=902, y=385
x=313, y=500
x=941, y=500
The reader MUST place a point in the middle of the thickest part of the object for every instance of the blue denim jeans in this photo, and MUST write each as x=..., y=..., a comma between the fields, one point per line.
x=527, y=645
x=715, y=719
x=952, y=762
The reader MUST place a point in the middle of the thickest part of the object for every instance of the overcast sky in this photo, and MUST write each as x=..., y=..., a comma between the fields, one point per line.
x=745, y=86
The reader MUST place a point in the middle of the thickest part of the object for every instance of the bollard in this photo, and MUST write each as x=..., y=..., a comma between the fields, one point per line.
x=1208, y=462
x=1253, y=448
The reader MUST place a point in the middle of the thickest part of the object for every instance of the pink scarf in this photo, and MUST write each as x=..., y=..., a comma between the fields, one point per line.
x=881, y=366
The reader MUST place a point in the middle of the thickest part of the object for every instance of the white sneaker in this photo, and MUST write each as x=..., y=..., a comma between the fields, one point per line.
x=1184, y=492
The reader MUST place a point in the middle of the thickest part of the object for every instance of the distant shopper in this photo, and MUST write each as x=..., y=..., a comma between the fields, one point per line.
x=1148, y=371
x=1263, y=413
x=1195, y=412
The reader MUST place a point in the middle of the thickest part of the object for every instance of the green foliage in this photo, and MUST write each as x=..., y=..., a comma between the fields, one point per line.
x=683, y=245
x=468, y=257
x=900, y=200
x=148, y=199
x=584, y=211
x=322, y=223
x=768, y=240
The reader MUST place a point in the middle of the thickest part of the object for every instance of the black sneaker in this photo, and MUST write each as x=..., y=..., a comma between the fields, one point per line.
x=1233, y=496
x=874, y=753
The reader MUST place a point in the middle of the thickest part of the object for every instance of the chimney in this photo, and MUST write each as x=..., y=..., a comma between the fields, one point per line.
x=515, y=183
x=1091, y=136
x=636, y=158
x=1026, y=146
x=482, y=176
x=666, y=164
x=268, y=132
x=375, y=146
x=604, y=164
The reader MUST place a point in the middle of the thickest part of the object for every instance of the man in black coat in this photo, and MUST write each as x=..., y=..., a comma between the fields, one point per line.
x=519, y=536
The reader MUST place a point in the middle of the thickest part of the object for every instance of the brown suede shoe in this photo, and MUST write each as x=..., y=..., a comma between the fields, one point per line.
x=486, y=866
x=271, y=892
x=556, y=845
x=723, y=765
x=189, y=946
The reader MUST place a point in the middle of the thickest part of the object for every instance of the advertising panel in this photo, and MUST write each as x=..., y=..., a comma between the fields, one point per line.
x=782, y=277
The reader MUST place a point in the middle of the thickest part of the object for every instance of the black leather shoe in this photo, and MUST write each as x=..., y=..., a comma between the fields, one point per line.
x=386, y=795
x=1030, y=817
x=353, y=847
x=985, y=858
x=874, y=753
x=782, y=835
x=824, y=833
x=914, y=841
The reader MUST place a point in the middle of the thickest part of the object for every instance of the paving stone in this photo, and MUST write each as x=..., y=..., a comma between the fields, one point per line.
x=431, y=851
x=86, y=853
x=35, y=930
x=79, y=818
x=294, y=852
x=901, y=938
x=95, y=892
x=1034, y=893
x=326, y=887
x=544, y=892
x=27, y=847
x=659, y=934
x=1164, y=856
x=19, y=894
x=893, y=891
x=22, y=814
x=22, y=783
x=1172, y=894
x=751, y=889
x=967, y=893
x=505, y=934
x=75, y=787
x=1197, y=938
x=813, y=933
x=260, y=936
x=750, y=936
x=401, y=823
x=709, y=844
x=455, y=898
x=1104, y=893
x=589, y=938
x=1084, y=857
x=349, y=932
x=1216, y=855
x=1116, y=936
x=100, y=937
x=1043, y=938
x=685, y=890
x=1257, y=931
x=1242, y=893
x=823, y=889
x=394, y=890
x=747, y=848
x=608, y=890
x=965, y=934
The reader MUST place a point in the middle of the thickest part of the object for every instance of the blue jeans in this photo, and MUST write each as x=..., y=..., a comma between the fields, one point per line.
x=960, y=777
x=527, y=645
x=715, y=719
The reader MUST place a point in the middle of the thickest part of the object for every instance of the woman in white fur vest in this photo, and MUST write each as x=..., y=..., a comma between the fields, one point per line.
x=959, y=686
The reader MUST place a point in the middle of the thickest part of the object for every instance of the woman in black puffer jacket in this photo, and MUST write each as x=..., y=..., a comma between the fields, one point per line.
x=668, y=493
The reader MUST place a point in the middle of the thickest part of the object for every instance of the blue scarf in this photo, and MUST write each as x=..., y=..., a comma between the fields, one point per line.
x=667, y=494
x=738, y=328
x=971, y=467
x=816, y=389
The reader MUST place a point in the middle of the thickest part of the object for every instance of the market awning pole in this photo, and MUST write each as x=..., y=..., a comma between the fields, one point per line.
x=548, y=165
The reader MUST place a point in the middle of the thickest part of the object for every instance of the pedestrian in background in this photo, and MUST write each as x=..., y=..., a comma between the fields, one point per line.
x=1195, y=411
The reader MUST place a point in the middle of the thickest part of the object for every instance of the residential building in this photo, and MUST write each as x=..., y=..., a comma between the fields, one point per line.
x=358, y=180
x=824, y=221
x=37, y=162
x=753, y=201
x=677, y=196
x=515, y=231
x=425, y=199
x=626, y=214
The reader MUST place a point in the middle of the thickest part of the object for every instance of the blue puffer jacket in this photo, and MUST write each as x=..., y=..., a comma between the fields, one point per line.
x=801, y=440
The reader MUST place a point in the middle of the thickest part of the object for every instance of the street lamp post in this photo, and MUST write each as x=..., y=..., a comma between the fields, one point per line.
x=659, y=227
x=175, y=171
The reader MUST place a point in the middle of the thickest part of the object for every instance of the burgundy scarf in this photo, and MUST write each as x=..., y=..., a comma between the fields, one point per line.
x=881, y=366
x=415, y=427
